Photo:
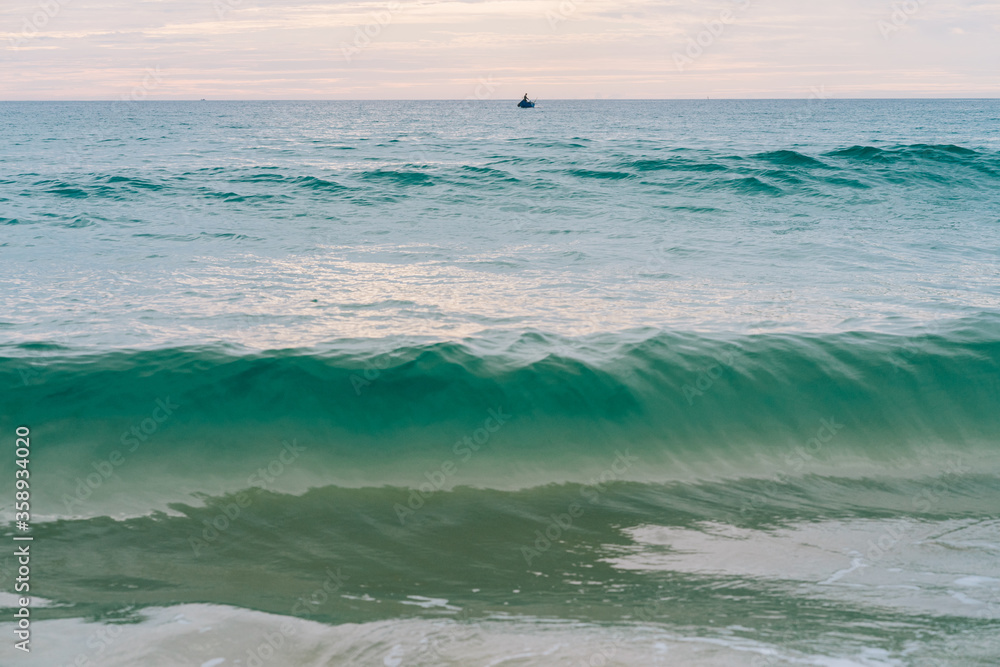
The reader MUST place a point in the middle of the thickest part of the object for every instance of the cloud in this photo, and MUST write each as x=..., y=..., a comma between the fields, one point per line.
x=94, y=49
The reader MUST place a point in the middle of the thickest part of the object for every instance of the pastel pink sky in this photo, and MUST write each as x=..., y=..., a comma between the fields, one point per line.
x=432, y=49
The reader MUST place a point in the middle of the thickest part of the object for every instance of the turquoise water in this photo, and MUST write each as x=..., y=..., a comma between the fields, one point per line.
x=420, y=383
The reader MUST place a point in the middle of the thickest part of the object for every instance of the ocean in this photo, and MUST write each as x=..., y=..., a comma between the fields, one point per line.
x=454, y=383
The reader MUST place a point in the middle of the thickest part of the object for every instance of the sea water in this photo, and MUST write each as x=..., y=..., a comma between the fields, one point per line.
x=456, y=383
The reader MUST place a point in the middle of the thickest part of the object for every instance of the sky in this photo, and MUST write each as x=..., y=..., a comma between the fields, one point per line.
x=497, y=49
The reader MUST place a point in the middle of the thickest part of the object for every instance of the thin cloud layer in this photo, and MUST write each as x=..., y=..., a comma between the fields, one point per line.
x=430, y=49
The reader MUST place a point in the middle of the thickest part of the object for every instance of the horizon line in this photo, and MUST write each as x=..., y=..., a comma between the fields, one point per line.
x=554, y=99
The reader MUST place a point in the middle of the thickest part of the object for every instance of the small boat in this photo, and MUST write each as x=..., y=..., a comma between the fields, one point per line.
x=525, y=104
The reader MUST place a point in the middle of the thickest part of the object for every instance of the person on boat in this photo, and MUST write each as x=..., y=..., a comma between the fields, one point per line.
x=525, y=98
